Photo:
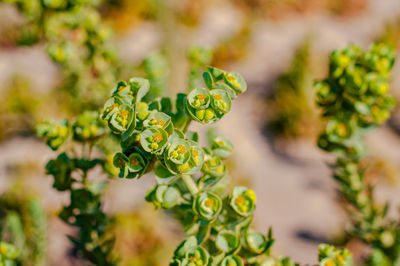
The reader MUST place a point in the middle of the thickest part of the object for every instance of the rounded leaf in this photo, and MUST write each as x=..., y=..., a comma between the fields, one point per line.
x=255, y=242
x=220, y=101
x=236, y=82
x=243, y=201
x=231, y=261
x=196, y=256
x=227, y=241
x=121, y=120
x=221, y=147
x=121, y=161
x=199, y=99
x=207, y=205
x=154, y=140
x=214, y=166
x=161, y=120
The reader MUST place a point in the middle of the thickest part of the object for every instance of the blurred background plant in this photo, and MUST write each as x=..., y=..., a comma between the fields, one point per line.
x=23, y=224
x=290, y=110
x=354, y=99
x=145, y=237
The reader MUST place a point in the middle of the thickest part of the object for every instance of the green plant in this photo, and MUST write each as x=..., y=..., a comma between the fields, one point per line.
x=290, y=112
x=354, y=99
x=329, y=255
x=154, y=137
x=146, y=237
x=157, y=72
x=78, y=41
x=8, y=254
x=71, y=172
x=22, y=225
x=198, y=57
x=192, y=182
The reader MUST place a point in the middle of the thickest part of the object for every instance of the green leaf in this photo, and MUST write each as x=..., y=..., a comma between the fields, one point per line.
x=227, y=242
x=184, y=247
x=220, y=101
x=216, y=73
x=121, y=161
x=140, y=88
x=207, y=205
x=154, y=140
x=232, y=261
x=8, y=251
x=221, y=147
x=243, y=201
x=208, y=80
x=255, y=242
x=236, y=82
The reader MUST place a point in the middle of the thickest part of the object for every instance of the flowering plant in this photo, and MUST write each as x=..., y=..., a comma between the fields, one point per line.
x=354, y=99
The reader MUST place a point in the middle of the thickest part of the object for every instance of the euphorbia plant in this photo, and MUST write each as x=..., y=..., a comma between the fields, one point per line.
x=154, y=136
x=192, y=181
x=71, y=172
x=354, y=99
x=77, y=40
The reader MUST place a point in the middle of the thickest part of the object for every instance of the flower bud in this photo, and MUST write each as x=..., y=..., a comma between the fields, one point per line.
x=236, y=82
x=255, y=242
x=164, y=196
x=207, y=205
x=154, y=140
x=243, y=201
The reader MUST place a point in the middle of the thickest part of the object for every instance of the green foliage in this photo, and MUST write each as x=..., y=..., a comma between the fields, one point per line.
x=23, y=227
x=18, y=106
x=8, y=253
x=216, y=222
x=290, y=112
x=77, y=40
x=54, y=132
x=331, y=256
x=71, y=173
x=210, y=105
x=157, y=72
x=354, y=98
x=144, y=237
x=198, y=58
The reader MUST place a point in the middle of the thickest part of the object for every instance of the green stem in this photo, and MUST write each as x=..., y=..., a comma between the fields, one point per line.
x=190, y=184
x=187, y=125
x=84, y=179
x=90, y=150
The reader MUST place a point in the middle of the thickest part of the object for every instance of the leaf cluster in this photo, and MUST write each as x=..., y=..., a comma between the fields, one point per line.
x=354, y=98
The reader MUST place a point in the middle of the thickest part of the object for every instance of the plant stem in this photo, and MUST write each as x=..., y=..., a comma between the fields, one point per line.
x=190, y=184
x=187, y=125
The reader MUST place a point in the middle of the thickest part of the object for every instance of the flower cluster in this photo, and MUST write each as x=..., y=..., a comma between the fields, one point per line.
x=331, y=256
x=354, y=96
x=355, y=99
x=210, y=105
x=54, y=132
x=76, y=39
x=70, y=173
x=23, y=228
x=8, y=253
x=191, y=180
x=85, y=128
